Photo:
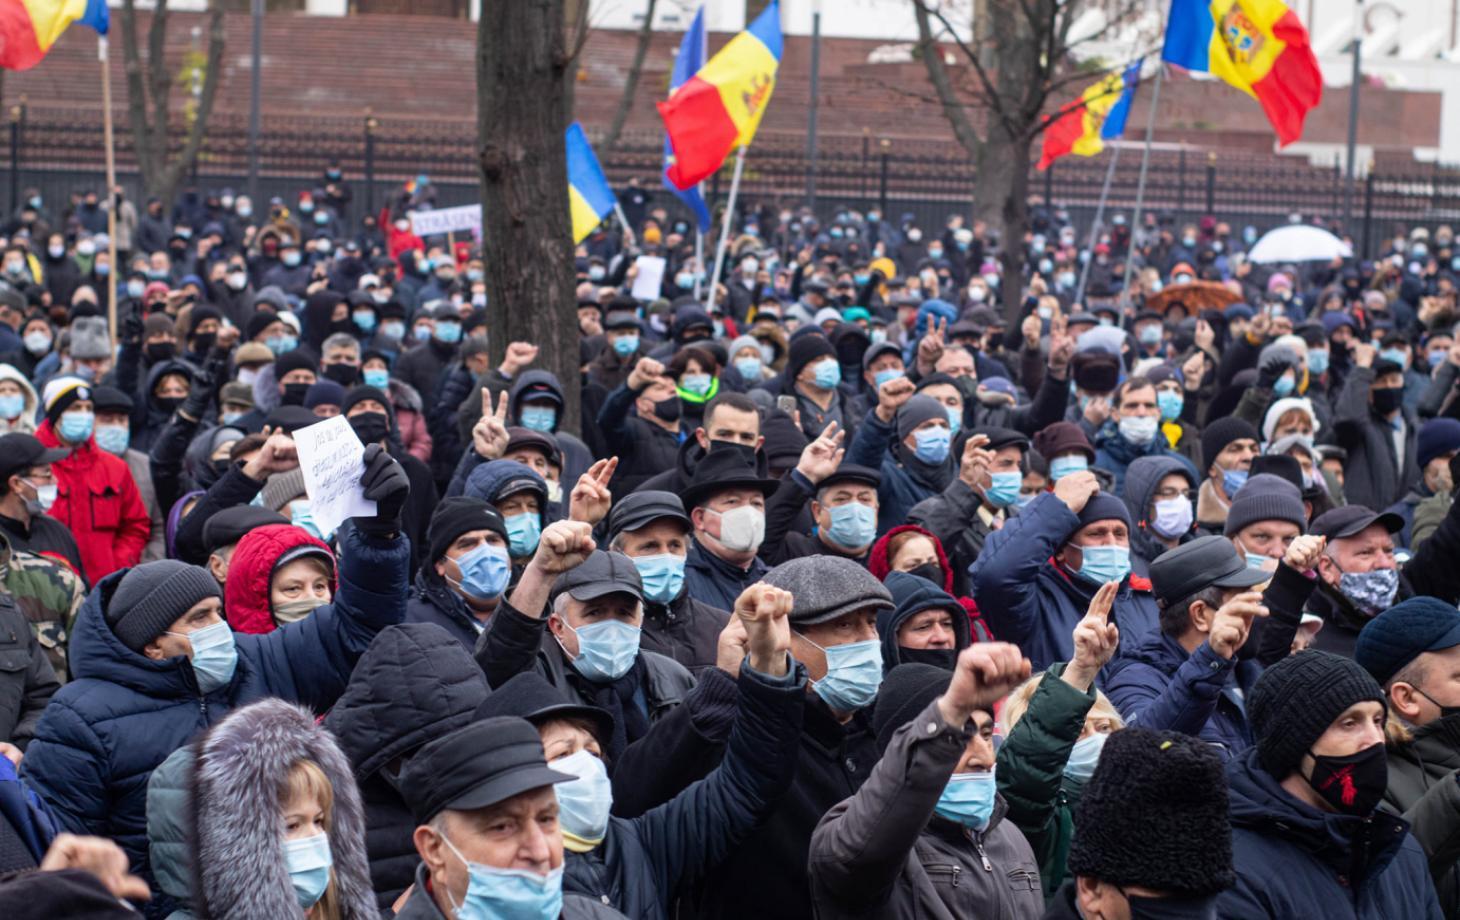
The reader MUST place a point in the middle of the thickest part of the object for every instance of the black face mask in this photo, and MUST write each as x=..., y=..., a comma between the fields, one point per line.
x=159, y=351
x=343, y=374
x=1445, y=711
x=929, y=570
x=203, y=342
x=371, y=427
x=1387, y=399
x=1353, y=785
x=939, y=657
x=668, y=409
x=168, y=404
x=294, y=394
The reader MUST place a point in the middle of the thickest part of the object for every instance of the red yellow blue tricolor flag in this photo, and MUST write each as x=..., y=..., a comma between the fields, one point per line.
x=720, y=107
x=28, y=28
x=589, y=196
x=1099, y=115
x=1258, y=46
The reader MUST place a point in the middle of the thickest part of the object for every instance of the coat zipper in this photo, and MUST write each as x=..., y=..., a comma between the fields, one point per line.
x=987, y=866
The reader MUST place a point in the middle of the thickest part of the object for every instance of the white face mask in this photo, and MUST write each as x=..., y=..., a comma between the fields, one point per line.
x=1173, y=517
x=742, y=529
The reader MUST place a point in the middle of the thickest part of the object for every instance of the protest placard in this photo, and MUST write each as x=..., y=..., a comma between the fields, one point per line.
x=330, y=456
x=447, y=220
x=650, y=279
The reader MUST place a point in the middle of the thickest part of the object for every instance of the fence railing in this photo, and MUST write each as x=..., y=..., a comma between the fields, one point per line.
x=59, y=151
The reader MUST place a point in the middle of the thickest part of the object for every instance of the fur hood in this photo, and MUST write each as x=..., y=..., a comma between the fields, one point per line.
x=239, y=871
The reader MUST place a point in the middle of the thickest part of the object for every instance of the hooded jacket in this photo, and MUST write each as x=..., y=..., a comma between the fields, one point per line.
x=576, y=456
x=913, y=594
x=646, y=451
x=239, y=871
x=124, y=713
x=169, y=822
x=1032, y=601
x=1114, y=454
x=1373, y=475
x=99, y=503
x=1290, y=857
x=149, y=417
x=246, y=601
x=413, y=685
x=410, y=419
x=25, y=422
x=1139, y=492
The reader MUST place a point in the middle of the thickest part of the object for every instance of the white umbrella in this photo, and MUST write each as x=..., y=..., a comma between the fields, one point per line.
x=1298, y=243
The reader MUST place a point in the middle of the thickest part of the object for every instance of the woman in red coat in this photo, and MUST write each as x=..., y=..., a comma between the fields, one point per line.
x=95, y=496
x=278, y=574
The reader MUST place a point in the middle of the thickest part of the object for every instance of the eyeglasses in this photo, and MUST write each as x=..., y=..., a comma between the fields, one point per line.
x=1168, y=494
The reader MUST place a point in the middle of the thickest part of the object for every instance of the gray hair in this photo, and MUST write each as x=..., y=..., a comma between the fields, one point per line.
x=341, y=340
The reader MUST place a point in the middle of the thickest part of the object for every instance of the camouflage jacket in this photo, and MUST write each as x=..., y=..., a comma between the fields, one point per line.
x=48, y=592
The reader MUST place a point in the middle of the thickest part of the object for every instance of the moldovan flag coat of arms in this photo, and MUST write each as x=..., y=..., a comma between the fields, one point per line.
x=1258, y=46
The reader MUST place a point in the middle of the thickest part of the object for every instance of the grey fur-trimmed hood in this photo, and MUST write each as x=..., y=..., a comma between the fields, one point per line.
x=238, y=869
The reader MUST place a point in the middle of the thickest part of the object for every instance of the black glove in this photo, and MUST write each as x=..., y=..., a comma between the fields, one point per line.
x=383, y=482
x=1277, y=363
x=132, y=329
x=200, y=394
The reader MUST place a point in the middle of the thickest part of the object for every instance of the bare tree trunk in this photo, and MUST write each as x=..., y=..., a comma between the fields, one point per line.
x=631, y=82
x=522, y=60
x=575, y=22
x=161, y=174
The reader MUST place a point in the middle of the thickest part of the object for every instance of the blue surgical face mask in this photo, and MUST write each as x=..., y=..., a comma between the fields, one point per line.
x=877, y=336
x=1150, y=334
x=662, y=575
x=1283, y=386
x=968, y=799
x=1254, y=561
x=828, y=374
x=393, y=329
x=214, y=655
x=485, y=571
x=955, y=419
x=365, y=319
x=606, y=650
x=228, y=418
x=523, y=532
x=11, y=405
x=448, y=332
x=279, y=344
x=113, y=438
x=1397, y=355
x=625, y=345
x=507, y=894
x=853, y=675
x=422, y=333
x=1233, y=481
x=1060, y=467
x=291, y=258
x=1084, y=757
x=377, y=377
x=1317, y=362
x=1105, y=563
x=1026, y=499
x=885, y=375
x=584, y=803
x=1004, y=488
x=75, y=427
x=696, y=384
x=539, y=418
x=1170, y=405
x=308, y=861
x=932, y=444
x=749, y=369
x=301, y=516
x=853, y=525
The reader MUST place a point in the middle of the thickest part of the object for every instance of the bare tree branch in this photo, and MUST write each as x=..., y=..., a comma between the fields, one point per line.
x=631, y=81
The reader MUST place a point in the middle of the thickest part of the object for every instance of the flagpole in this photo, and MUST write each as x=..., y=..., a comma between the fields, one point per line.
x=1095, y=227
x=699, y=257
x=618, y=211
x=1140, y=193
x=725, y=226
x=111, y=183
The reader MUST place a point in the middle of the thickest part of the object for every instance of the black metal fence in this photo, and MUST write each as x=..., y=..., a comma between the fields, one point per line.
x=59, y=151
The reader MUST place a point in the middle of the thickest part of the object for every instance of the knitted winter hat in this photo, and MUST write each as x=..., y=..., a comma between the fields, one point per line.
x=456, y=516
x=1103, y=506
x=282, y=488
x=1154, y=815
x=805, y=350
x=90, y=339
x=61, y=392
x=1265, y=497
x=151, y=596
x=917, y=410
x=1222, y=432
x=906, y=691
x=1295, y=701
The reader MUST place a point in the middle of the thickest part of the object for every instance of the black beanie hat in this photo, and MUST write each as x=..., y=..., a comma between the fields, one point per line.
x=1222, y=432
x=1154, y=815
x=296, y=360
x=1265, y=497
x=257, y=323
x=804, y=350
x=1295, y=701
x=456, y=516
x=151, y=596
x=915, y=411
x=1103, y=506
x=906, y=691
x=359, y=394
x=201, y=313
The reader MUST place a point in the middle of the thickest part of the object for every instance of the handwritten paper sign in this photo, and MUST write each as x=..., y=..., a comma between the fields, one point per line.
x=331, y=458
x=650, y=279
x=447, y=220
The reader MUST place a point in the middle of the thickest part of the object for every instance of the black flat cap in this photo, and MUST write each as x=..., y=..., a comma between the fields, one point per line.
x=1000, y=438
x=479, y=764
x=721, y=470
x=601, y=573
x=20, y=452
x=850, y=472
x=529, y=696
x=1203, y=563
x=230, y=524
x=641, y=508
x=1350, y=519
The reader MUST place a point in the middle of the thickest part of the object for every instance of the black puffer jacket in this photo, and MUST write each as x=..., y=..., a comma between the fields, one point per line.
x=433, y=601
x=414, y=684
x=685, y=629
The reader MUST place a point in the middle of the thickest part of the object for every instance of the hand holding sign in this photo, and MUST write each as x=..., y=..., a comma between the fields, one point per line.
x=331, y=458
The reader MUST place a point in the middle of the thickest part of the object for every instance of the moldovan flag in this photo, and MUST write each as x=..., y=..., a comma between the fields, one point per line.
x=1258, y=46
x=719, y=108
x=1098, y=116
x=28, y=28
x=589, y=197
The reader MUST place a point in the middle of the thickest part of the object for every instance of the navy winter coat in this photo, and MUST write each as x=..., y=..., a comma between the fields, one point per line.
x=1030, y=601
x=1294, y=861
x=904, y=484
x=1114, y=454
x=1158, y=686
x=123, y=714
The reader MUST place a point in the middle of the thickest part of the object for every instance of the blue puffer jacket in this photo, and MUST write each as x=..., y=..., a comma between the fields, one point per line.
x=1029, y=600
x=1156, y=685
x=875, y=445
x=1114, y=454
x=1294, y=861
x=123, y=714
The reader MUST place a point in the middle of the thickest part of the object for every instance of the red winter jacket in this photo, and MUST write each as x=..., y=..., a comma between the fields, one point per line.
x=879, y=564
x=246, y=603
x=99, y=503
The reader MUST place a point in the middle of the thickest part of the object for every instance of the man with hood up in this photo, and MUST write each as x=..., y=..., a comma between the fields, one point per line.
x=1159, y=492
x=928, y=625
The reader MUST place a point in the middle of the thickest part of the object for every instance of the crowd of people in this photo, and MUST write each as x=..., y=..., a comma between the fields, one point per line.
x=851, y=594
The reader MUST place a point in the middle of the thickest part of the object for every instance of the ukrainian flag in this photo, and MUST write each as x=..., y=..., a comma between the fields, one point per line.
x=28, y=28
x=1258, y=46
x=589, y=197
x=720, y=107
x=1097, y=116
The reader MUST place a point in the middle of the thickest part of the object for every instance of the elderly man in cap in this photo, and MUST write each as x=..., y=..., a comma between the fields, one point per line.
x=1036, y=576
x=1306, y=831
x=1413, y=650
x=726, y=501
x=223, y=530
x=652, y=529
x=1188, y=677
x=488, y=832
x=1227, y=447
x=1265, y=517
x=27, y=493
x=465, y=570
x=590, y=605
x=843, y=500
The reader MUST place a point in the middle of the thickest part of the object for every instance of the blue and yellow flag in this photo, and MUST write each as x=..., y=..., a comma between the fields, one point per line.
x=589, y=197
